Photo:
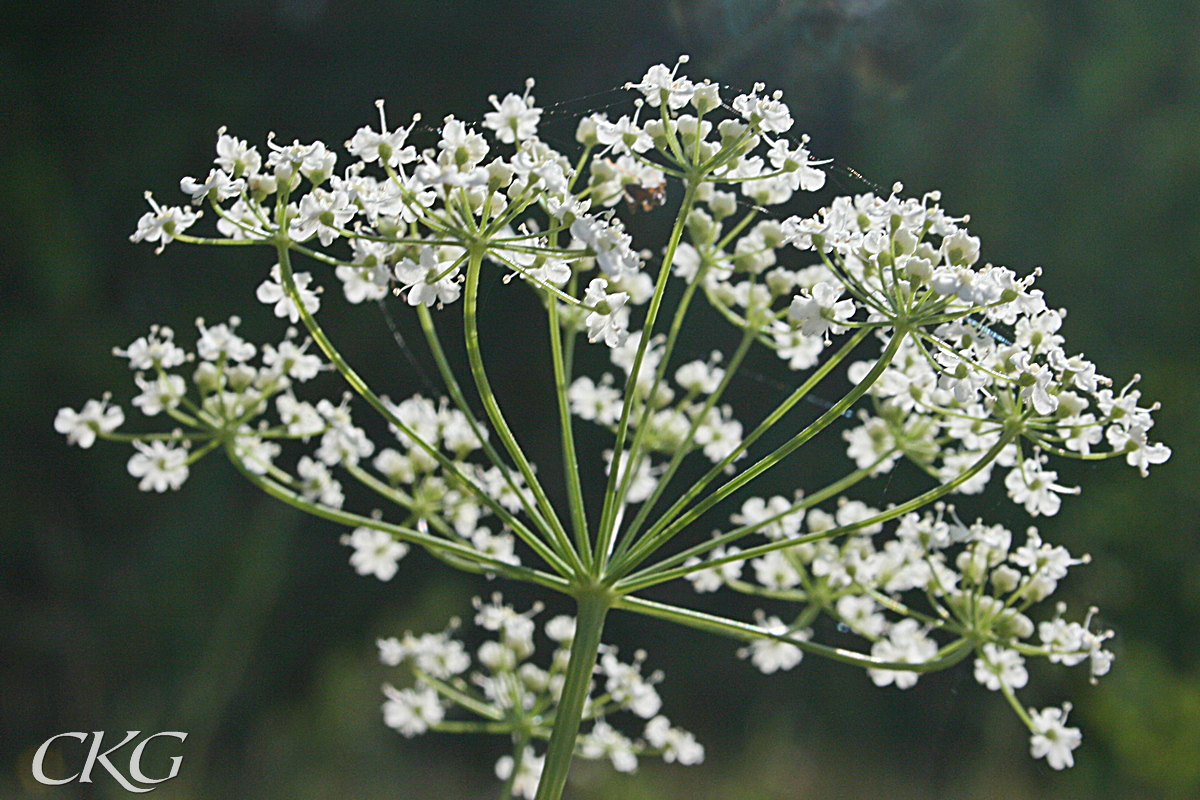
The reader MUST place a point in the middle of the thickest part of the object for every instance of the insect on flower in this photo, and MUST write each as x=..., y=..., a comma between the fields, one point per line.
x=640, y=198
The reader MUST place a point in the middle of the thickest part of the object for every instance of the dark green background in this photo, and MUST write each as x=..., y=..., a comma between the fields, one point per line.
x=1070, y=131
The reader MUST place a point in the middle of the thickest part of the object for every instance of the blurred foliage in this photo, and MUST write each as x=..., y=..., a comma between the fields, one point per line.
x=1069, y=130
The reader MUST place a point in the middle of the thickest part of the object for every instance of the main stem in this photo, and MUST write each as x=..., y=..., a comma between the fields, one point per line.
x=589, y=625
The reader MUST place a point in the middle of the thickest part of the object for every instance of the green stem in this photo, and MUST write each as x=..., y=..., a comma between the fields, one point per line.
x=612, y=500
x=664, y=480
x=947, y=657
x=668, y=525
x=554, y=528
x=359, y=385
x=658, y=573
x=520, y=742
x=428, y=541
x=562, y=380
x=460, y=400
x=589, y=625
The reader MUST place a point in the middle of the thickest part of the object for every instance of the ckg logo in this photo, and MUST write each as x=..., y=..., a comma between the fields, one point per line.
x=97, y=758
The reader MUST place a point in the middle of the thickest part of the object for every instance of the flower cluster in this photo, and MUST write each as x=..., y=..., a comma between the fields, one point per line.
x=425, y=468
x=671, y=423
x=930, y=593
x=955, y=365
x=230, y=394
x=511, y=694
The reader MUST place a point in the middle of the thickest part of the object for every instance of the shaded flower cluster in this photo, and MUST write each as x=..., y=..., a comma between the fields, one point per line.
x=512, y=694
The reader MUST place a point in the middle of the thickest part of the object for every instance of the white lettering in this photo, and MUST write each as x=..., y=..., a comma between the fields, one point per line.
x=39, y=772
x=135, y=760
x=96, y=756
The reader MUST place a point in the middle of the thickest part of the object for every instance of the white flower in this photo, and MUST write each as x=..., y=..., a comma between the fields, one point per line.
x=772, y=655
x=609, y=241
x=411, y=711
x=862, y=614
x=529, y=773
x=429, y=282
x=81, y=427
x=606, y=320
x=802, y=172
x=629, y=688
x=1034, y=487
x=622, y=137
x=359, y=283
x=906, y=643
x=322, y=213
x=500, y=546
x=385, y=147
x=766, y=113
x=391, y=651
x=999, y=666
x=241, y=222
x=344, y=443
x=719, y=434
x=235, y=157
x=436, y=654
x=800, y=351
x=156, y=350
x=756, y=511
x=217, y=184
x=286, y=160
x=1051, y=738
x=160, y=466
x=255, y=453
x=163, y=224
x=317, y=164
x=515, y=117
x=699, y=377
x=220, y=342
x=713, y=578
x=272, y=291
x=644, y=479
x=660, y=84
x=676, y=744
x=1034, y=380
x=291, y=359
x=600, y=403
x=317, y=484
x=775, y=571
x=375, y=552
x=461, y=148
x=871, y=442
x=818, y=314
x=1138, y=451
x=161, y=393
x=606, y=741
x=561, y=629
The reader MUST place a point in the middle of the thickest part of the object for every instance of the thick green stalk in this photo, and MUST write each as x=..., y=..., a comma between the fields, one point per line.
x=589, y=626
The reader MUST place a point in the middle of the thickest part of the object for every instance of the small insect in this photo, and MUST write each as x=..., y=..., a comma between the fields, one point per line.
x=987, y=331
x=644, y=198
